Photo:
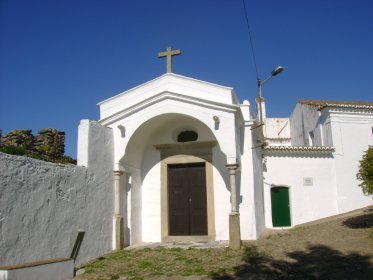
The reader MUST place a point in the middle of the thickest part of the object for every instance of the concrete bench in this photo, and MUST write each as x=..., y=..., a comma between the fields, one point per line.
x=53, y=269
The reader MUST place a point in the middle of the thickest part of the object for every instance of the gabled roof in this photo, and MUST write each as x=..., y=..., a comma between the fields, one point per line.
x=180, y=77
x=321, y=104
x=168, y=86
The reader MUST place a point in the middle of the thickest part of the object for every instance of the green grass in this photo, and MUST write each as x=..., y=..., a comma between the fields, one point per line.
x=94, y=267
x=250, y=251
x=305, y=252
x=139, y=264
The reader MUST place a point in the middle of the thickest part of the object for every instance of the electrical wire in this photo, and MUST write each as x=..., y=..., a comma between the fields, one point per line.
x=251, y=41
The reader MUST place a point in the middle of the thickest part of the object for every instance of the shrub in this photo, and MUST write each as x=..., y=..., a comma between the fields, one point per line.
x=13, y=150
x=365, y=173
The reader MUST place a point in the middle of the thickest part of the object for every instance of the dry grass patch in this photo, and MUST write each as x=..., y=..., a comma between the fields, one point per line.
x=140, y=264
x=335, y=248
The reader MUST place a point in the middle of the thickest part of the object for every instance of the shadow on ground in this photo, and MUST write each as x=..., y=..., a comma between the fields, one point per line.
x=318, y=262
x=362, y=221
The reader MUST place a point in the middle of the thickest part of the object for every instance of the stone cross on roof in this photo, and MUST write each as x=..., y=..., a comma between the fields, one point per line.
x=169, y=53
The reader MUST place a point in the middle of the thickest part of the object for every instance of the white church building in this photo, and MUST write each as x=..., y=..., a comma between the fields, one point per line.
x=182, y=160
x=193, y=163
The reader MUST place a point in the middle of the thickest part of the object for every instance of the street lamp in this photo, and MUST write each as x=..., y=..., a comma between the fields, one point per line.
x=274, y=72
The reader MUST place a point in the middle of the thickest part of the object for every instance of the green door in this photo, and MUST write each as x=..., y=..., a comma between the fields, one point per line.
x=280, y=207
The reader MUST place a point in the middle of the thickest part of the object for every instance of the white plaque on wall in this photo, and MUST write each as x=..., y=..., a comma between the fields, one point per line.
x=307, y=181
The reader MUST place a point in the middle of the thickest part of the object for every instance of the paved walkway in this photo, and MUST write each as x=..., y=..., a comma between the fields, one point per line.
x=183, y=245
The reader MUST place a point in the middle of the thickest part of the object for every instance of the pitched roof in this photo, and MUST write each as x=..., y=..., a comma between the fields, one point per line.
x=321, y=104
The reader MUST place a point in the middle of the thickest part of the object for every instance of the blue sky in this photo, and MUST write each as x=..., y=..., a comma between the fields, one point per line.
x=58, y=59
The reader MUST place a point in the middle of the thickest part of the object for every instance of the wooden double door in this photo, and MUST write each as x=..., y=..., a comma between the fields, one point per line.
x=187, y=199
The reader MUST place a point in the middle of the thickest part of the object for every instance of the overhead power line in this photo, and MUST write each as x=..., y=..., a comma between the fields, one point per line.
x=251, y=40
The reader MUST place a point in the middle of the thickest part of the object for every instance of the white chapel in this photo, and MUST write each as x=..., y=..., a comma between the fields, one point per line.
x=190, y=162
x=179, y=160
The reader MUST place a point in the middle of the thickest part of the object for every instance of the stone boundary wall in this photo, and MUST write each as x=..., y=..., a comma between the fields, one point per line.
x=49, y=141
x=43, y=205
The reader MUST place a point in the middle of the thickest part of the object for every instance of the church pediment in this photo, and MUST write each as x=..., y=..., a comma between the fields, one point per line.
x=168, y=86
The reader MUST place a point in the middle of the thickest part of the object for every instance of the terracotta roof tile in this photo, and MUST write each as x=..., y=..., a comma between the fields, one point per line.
x=335, y=103
x=300, y=148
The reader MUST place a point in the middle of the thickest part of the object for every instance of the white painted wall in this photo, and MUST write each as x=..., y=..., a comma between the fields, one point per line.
x=43, y=205
x=151, y=196
x=249, y=180
x=349, y=130
x=307, y=203
x=258, y=195
x=305, y=119
x=250, y=190
x=221, y=195
x=277, y=128
x=352, y=135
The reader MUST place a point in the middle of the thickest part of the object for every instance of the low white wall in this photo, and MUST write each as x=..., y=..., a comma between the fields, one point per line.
x=43, y=205
x=62, y=269
x=307, y=203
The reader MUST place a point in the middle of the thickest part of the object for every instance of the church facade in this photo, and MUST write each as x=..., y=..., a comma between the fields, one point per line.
x=192, y=163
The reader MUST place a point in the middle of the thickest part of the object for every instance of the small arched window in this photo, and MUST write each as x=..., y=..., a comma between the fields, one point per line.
x=187, y=136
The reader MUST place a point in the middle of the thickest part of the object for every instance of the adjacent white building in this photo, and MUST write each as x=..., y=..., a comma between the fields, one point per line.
x=192, y=163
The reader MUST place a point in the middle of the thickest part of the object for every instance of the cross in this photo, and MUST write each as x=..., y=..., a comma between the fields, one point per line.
x=169, y=53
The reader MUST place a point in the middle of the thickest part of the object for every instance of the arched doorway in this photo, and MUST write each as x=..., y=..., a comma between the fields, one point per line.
x=182, y=144
x=280, y=207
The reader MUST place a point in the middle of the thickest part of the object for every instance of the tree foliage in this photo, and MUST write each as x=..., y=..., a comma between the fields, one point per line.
x=365, y=173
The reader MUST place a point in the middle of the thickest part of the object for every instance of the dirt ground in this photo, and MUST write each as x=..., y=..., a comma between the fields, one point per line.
x=345, y=232
x=339, y=247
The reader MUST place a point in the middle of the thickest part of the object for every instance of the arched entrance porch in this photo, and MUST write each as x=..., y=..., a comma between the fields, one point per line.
x=152, y=150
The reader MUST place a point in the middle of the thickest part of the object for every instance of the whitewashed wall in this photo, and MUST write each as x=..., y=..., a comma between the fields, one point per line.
x=347, y=129
x=259, y=202
x=303, y=120
x=277, y=128
x=222, y=196
x=307, y=203
x=352, y=135
x=43, y=205
x=249, y=179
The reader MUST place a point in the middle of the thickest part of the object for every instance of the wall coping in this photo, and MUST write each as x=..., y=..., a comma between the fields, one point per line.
x=32, y=264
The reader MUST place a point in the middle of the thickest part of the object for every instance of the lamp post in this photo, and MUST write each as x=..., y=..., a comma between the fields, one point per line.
x=275, y=72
